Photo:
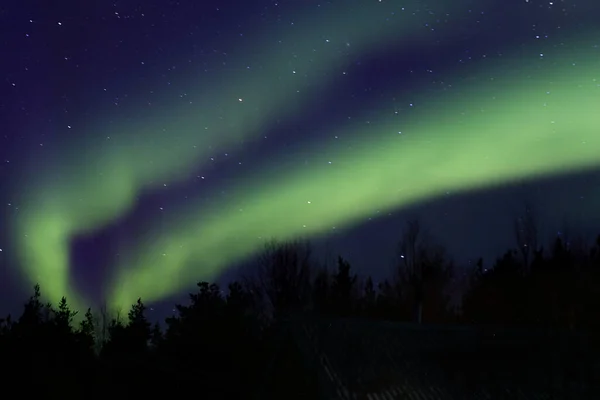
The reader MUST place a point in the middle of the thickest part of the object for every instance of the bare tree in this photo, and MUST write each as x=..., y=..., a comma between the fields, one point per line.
x=526, y=233
x=102, y=322
x=281, y=279
x=410, y=264
x=423, y=271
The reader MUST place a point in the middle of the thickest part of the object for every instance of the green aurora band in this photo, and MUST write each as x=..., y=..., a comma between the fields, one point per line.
x=509, y=129
x=532, y=120
x=102, y=173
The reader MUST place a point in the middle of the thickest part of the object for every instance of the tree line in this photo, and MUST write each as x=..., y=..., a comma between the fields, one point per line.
x=221, y=342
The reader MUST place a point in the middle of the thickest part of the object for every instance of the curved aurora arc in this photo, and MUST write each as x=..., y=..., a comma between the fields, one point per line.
x=514, y=137
x=509, y=130
x=67, y=200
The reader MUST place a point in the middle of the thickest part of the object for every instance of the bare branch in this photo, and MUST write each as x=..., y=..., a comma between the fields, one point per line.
x=526, y=233
x=282, y=275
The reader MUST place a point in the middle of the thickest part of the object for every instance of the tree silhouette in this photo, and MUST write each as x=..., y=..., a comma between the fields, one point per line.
x=87, y=331
x=296, y=324
x=424, y=275
x=526, y=233
x=33, y=310
x=128, y=340
x=283, y=275
x=322, y=291
x=369, y=299
x=343, y=289
x=63, y=316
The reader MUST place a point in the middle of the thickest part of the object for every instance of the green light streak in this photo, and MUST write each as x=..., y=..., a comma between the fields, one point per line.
x=99, y=178
x=504, y=130
x=102, y=172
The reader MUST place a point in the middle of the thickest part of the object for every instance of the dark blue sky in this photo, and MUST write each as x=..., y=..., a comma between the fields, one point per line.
x=71, y=63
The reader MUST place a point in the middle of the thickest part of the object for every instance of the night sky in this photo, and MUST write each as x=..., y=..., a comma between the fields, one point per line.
x=147, y=145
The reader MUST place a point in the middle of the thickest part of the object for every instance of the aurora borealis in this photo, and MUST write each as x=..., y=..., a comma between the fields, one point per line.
x=479, y=113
